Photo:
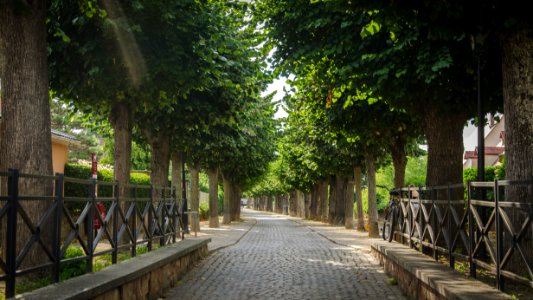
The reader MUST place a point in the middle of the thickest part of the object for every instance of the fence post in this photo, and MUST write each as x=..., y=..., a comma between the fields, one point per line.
x=90, y=221
x=174, y=215
x=451, y=258
x=134, y=224
x=437, y=223
x=150, y=218
x=471, y=233
x=161, y=216
x=410, y=218
x=499, y=235
x=116, y=192
x=420, y=220
x=57, y=236
x=11, y=236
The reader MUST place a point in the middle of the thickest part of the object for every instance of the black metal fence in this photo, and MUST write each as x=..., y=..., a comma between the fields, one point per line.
x=486, y=224
x=99, y=225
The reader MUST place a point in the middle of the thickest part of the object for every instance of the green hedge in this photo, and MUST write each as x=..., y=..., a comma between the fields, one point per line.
x=84, y=190
x=491, y=173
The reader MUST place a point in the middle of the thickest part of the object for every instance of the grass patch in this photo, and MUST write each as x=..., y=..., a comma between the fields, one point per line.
x=28, y=286
x=515, y=290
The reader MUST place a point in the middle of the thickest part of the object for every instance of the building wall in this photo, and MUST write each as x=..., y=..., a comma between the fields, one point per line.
x=492, y=139
x=59, y=156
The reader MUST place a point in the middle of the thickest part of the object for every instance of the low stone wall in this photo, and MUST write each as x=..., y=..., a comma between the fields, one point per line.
x=420, y=277
x=146, y=276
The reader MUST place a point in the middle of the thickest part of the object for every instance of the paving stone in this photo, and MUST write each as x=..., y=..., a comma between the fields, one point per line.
x=282, y=259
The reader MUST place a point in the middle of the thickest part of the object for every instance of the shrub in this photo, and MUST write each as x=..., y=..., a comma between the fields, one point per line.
x=75, y=268
x=84, y=190
x=203, y=212
x=220, y=202
x=381, y=197
x=491, y=173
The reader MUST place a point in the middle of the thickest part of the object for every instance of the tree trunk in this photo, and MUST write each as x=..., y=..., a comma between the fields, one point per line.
x=318, y=213
x=121, y=120
x=213, y=198
x=293, y=204
x=399, y=159
x=313, y=203
x=177, y=165
x=25, y=142
x=444, y=134
x=307, y=201
x=195, y=196
x=373, y=229
x=159, y=164
x=301, y=204
x=359, y=199
x=268, y=203
x=332, y=199
x=279, y=204
x=323, y=192
x=518, y=108
x=227, y=201
x=160, y=160
x=341, y=200
x=348, y=201
x=236, y=203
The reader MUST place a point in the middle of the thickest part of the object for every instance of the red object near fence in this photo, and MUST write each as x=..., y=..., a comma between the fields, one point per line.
x=101, y=210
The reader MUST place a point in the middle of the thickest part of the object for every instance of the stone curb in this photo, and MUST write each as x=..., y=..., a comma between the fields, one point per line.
x=445, y=281
x=91, y=285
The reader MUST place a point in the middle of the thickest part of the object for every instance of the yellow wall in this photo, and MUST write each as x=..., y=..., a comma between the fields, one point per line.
x=59, y=156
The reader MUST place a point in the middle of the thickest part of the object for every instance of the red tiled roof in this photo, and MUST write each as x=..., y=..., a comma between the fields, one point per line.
x=470, y=154
x=488, y=151
x=493, y=150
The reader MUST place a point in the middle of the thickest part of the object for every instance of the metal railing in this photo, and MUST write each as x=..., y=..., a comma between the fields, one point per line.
x=486, y=224
x=56, y=218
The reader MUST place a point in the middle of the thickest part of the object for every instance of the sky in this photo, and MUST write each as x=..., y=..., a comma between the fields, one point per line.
x=277, y=85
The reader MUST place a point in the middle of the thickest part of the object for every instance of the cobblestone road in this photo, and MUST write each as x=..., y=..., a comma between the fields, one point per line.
x=281, y=259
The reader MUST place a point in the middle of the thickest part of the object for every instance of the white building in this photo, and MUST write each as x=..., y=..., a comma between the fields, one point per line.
x=494, y=143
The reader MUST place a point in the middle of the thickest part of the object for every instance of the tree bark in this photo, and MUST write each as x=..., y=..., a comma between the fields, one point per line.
x=313, y=206
x=293, y=204
x=307, y=203
x=517, y=52
x=332, y=199
x=518, y=106
x=269, y=203
x=177, y=165
x=341, y=200
x=236, y=203
x=213, y=198
x=399, y=159
x=444, y=134
x=227, y=201
x=25, y=142
x=160, y=160
x=195, y=196
x=373, y=229
x=348, y=201
x=121, y=120
x=323, y=192
x=279, y=204
x=301, y=204
x=359, y=199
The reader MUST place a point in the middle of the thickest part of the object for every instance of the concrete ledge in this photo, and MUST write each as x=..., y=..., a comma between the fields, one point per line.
x=142, y=277
x=420, y=277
